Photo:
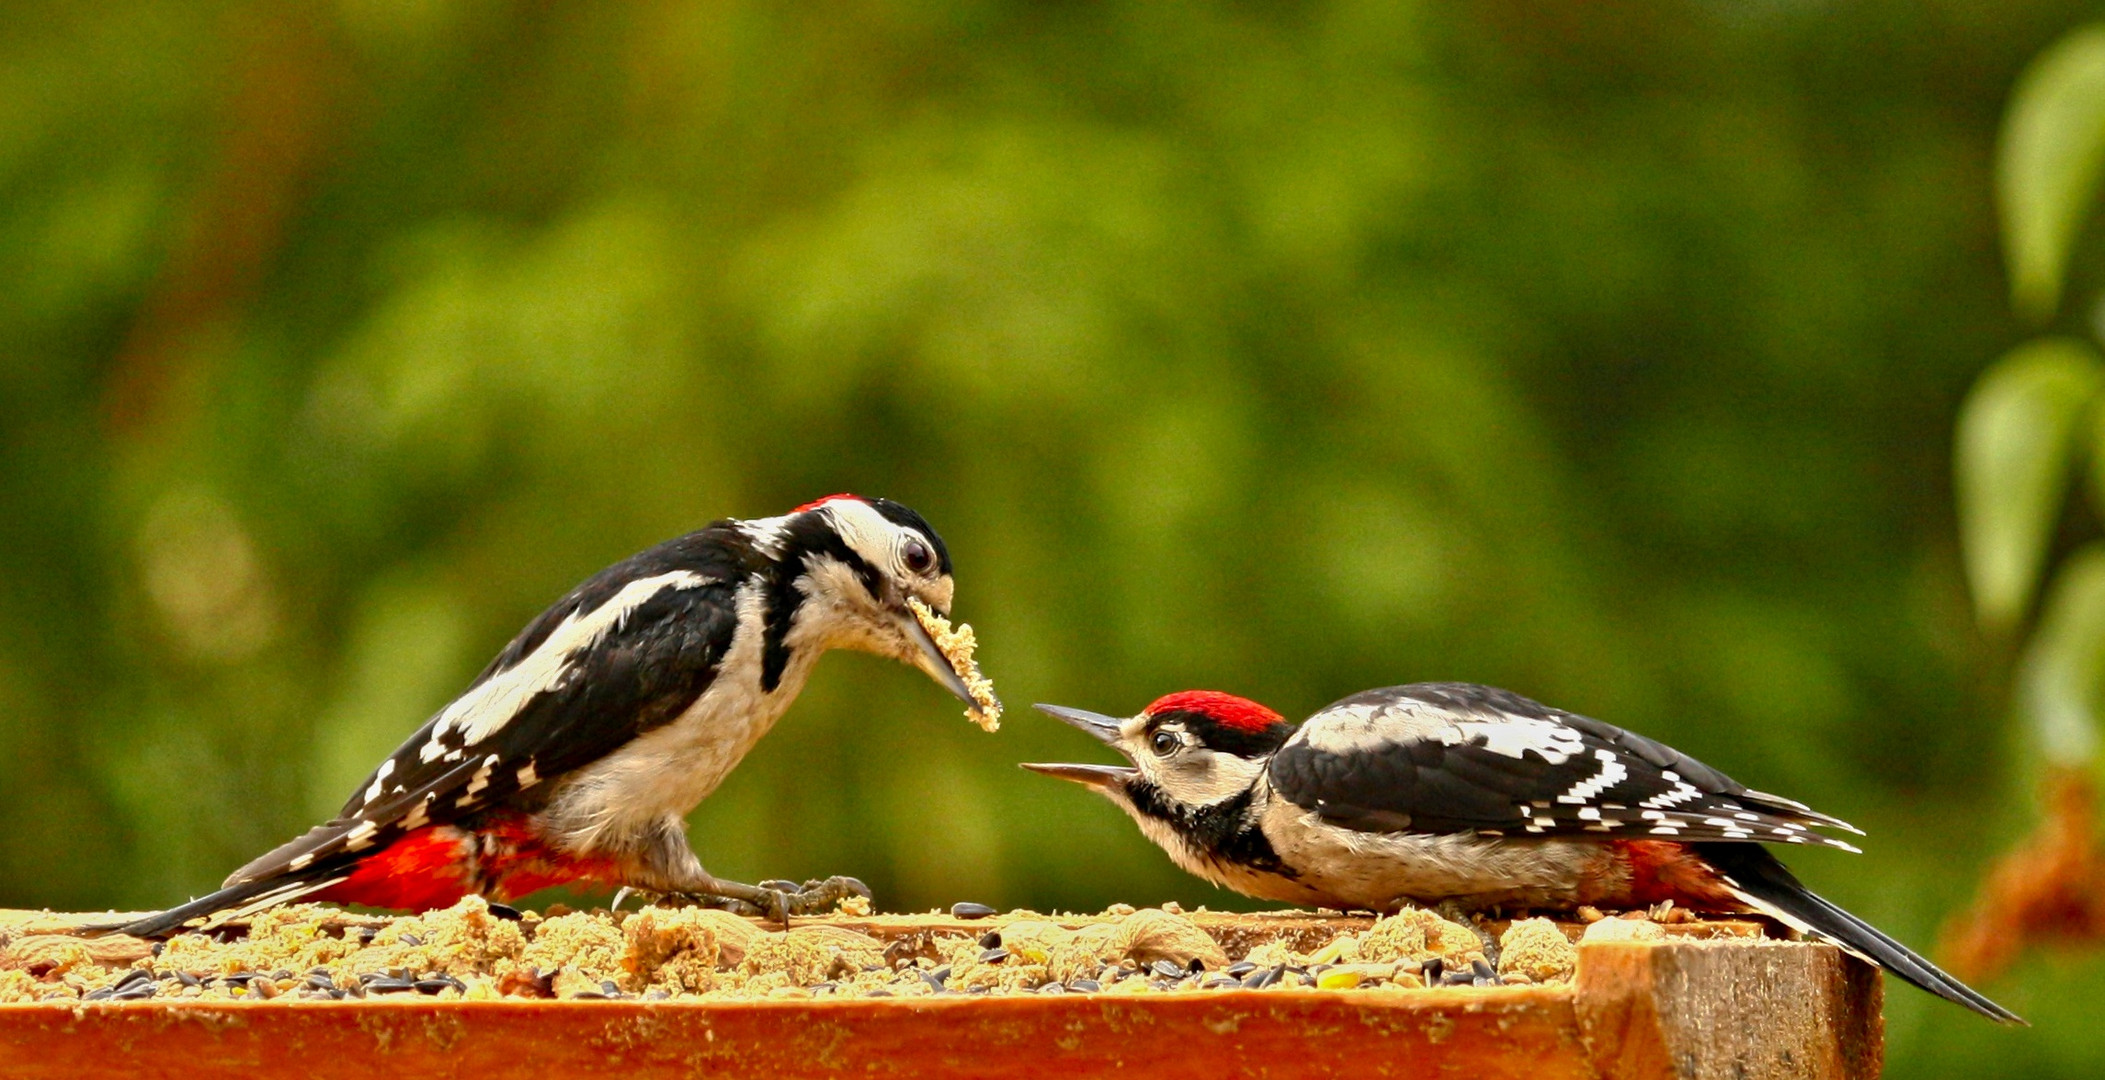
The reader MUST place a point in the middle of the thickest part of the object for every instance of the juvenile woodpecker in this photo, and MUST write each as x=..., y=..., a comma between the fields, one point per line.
x=1469, y=797
x=578, y=752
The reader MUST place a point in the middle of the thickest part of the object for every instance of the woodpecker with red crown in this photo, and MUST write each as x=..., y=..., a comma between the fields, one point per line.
x=578, y=752
x=1470, y=798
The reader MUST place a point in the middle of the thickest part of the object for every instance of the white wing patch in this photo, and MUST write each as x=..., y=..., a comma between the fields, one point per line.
x=1515, y=737
x=767, y=534
x=387, y=769
x=483, y=711
x=1613, y=772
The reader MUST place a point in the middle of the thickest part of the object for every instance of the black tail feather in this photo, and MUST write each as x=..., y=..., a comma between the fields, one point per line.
x=235, y=897
x=1771, y=888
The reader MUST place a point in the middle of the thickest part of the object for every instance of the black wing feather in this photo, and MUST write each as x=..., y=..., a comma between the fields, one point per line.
x=1456, y=757
x=635, y=677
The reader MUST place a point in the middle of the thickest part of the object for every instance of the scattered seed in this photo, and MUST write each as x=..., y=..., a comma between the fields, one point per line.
x=429, y=986
x=970, y=911
x=262, y=988
x=388, y=985
x=934, y=981
x=588, y=995
x=1167, y=969
x=1241, y=968
x=506, y=912
x=1432, y=969
x=1085, y=986
x=1052, y=988
x=239, y=977
x=281, y=973
x=320, y=981
x=1483, y=969
x=611, y=989
x=132, y=978
x=1265, y=978
x=97, y=995
x=656, y=995
x=879, y=993
x=1457, y=978
x=941, y=974
x=990, y=940
x=411, y=939
x=188, y=979
x=993, y=956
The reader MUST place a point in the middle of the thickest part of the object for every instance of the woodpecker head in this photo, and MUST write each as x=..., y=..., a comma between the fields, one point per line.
x=844, y=568
x=1189, y=751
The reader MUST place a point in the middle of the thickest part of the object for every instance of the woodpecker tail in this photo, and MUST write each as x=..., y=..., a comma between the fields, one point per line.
x=1764, y=884
x=238, y=900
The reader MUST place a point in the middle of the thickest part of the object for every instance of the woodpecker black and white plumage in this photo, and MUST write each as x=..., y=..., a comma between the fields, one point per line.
x=578, y=752
x=1470, y=798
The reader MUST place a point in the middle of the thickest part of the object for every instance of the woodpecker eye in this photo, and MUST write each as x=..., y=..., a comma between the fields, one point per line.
x=918, y=557
x=1165, y=744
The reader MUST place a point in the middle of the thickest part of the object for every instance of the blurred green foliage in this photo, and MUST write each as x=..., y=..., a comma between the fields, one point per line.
x=1609, y=352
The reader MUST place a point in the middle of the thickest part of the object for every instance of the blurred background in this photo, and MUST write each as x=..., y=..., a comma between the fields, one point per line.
x=1608, y=352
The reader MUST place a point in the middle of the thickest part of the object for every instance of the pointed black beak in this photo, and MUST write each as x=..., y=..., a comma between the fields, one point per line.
x=1103, y=727
x=1096, y=776
x=934, y=663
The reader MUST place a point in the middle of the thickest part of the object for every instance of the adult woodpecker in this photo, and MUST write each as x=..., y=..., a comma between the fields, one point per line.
x=1469, y=797
x=578, y=752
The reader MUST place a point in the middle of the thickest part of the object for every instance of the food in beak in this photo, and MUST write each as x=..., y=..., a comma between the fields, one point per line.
x=954, y=647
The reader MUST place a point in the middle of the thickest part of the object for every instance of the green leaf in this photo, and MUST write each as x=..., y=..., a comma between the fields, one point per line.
x=2064, y=667
x=2015, y=446
x=2047, y=167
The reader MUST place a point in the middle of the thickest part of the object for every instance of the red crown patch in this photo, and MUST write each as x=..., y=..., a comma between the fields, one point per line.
x=1226, y=710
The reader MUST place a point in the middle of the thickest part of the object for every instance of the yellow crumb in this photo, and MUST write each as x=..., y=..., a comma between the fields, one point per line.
x=956, y=646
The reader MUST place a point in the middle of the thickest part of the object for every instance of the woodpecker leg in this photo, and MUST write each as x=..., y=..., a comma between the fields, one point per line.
x=777, y=900
x=665, y=864
x=1453, y=911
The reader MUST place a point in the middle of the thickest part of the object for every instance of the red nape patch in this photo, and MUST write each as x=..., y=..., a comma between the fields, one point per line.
x=1226, y=710
x=816, y=503
x=1667, y=870
x=426, y=868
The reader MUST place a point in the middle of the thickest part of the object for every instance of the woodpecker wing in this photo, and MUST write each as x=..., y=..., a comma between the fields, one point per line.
x=625, y=652
x=1456, y=757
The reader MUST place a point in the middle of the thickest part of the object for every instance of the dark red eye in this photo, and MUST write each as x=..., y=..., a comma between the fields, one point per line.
x=918, y=557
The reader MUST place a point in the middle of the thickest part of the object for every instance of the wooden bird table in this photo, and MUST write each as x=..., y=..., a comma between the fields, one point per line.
x=1730, y=1004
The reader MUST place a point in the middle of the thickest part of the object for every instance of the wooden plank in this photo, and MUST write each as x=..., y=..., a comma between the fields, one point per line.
x=1712, y=1000
x=1497, y=1034
x=1740, y=1010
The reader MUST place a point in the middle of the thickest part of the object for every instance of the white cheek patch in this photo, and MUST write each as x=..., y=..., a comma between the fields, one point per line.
x=870, y=535
x=1204, y=778
x=486, y=709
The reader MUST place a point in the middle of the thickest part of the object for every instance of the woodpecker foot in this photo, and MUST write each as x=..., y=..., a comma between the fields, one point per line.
x=777, y=900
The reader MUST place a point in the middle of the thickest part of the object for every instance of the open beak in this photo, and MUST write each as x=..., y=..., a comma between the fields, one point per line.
x=932, y=661
x=1096, y=776
x=1106, y=729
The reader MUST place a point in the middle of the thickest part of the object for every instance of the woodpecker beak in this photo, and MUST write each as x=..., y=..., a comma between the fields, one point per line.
x=1106, y=729
x=932, y=661
x=1096, y=776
